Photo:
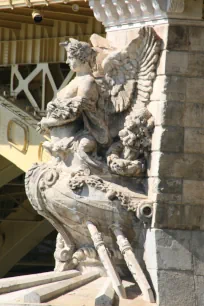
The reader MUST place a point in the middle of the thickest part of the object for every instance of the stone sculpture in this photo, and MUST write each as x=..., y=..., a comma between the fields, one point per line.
x=115, y=12
x=100, y=139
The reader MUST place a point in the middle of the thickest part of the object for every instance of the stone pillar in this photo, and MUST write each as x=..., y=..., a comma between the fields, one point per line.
x=174, y=251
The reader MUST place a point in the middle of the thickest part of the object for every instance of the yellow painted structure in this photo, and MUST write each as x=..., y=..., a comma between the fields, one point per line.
x=19, y=3
x=19, y=145
x=24, y=42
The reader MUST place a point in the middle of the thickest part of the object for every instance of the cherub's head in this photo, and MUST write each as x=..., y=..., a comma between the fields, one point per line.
x=79, y=54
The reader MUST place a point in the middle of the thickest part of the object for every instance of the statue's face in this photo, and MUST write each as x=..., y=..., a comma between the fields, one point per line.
x=74, y=63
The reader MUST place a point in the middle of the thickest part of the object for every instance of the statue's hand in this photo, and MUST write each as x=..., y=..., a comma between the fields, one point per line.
x=43, y=126
x=63, y=112
x=51, y=106
x=45, y=123
x=38, y=128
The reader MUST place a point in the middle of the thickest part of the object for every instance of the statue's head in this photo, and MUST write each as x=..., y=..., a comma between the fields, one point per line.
x=79, y=54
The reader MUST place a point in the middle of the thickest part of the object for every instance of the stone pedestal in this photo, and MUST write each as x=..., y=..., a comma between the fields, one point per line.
x=174, y=253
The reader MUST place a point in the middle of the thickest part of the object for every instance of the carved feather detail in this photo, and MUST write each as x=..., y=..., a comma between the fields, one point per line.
x=130, y=72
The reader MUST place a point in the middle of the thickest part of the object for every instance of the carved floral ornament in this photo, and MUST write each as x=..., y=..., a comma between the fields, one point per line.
x=117, y=12
x=100, y=130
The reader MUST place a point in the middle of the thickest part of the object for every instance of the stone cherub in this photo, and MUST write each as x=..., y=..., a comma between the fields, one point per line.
x=78, y=100
x=112, y=107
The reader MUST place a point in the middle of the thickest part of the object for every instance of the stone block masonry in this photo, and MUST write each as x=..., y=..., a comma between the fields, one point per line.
x=177, y=104
x=177, y=266
x=174, y=245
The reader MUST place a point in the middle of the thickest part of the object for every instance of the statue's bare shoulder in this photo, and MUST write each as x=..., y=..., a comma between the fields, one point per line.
x=87, y=87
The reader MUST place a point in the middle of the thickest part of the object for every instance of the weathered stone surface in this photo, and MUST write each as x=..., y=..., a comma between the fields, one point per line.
x=181, y=63
x=154, y=162
x=196, y=38
x=187, y=166
x=51, y=291
x=161, y=66
x=194, y=140
x=199, y=287
x=159, y=89
x=168, y=139
x=169, y=88
x=163, y=185
x=150, y=254
x=176, y=267
x=179, y=216
x=167, y=198
x=121, y=38
x=153, y=273
x=178, y=38
x=177, y=63
x=194, y=90
x=176, y=288
x=198, y=252
x=167, y=113
x=195, y=68
x=173, y=114
x=106, y=295
x=193, y=192
x=193, y=115
x=165, y=191
x=18, y=283
x=173, y=250
x=162, y=32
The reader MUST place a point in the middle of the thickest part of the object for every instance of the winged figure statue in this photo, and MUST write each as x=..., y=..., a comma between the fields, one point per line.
x=100, y=132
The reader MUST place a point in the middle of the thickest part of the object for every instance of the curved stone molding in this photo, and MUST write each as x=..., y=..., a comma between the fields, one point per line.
x=122, y=12
x=98, y=12
x=110, y=10
x=176, y=6
x=121, y=9
x=134, y=8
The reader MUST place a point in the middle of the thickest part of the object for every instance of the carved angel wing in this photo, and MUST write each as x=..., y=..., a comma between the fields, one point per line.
x=130, y=72
x=103, y=48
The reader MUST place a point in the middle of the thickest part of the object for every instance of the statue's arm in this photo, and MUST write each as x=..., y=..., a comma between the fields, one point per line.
x=85, y=99
x=65, y=109
x=88, y=93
